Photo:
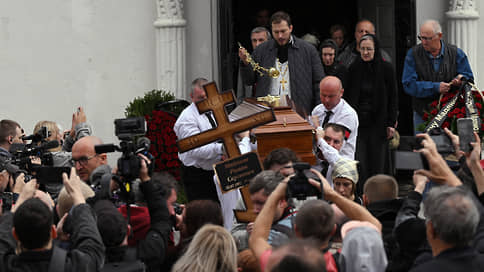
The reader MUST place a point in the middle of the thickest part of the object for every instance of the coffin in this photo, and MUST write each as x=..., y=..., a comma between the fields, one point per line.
x=289, y=130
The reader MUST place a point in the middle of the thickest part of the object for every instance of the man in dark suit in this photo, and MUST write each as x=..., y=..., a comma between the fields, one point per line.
x=297, y=61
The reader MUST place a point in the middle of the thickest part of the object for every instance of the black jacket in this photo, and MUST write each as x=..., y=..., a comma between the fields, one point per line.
x=87, y=253
x=152, y=249
x=305, y=72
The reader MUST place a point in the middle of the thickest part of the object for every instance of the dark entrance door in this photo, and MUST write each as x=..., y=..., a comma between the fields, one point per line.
x=394, y=20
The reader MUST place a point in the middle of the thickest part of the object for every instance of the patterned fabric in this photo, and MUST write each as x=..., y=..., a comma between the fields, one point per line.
x=346, y=168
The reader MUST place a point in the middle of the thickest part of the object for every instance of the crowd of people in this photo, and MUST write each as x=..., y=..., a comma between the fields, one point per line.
x=97, y=219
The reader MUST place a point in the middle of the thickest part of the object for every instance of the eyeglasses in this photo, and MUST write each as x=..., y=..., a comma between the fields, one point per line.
x=365, y=49
x=82, y=160
x=423, y=38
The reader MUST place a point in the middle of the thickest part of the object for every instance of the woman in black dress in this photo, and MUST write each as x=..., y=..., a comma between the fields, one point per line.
x=372, y=93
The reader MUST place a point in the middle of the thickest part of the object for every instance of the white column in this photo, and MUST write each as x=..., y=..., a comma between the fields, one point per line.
x=462, y=28
x=170, y=47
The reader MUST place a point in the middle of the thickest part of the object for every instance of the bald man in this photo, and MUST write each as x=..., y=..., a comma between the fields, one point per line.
x=334, y=109
x=84, y=157
x=352, y=51
x=432, y=68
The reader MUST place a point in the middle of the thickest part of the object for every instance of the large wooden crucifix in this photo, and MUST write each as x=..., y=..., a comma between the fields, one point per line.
x=226, y=131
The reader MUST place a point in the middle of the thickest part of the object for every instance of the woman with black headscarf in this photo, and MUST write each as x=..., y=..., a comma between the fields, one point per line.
x=372, y=92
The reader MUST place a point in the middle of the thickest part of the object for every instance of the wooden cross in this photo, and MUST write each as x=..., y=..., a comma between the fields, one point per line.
x=226, y=132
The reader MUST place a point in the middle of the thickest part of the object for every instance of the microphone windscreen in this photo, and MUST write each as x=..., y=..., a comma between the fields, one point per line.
x=143, y=142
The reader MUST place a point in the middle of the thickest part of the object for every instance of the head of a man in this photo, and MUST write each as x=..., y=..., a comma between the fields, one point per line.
x=10, y=133
x=430, y=35
x=379, y=188
x=112, y=225
x=330, y=91
x=198, y=213
x=328, y=52
x=315, y=219
x=259, y=35
x=262, y=17
x=33, y=225
x=169, y=188
x=261, y=186
x=337, y=33
x=281, y=27
x=198, y=93
x=84, y=156
x=362, y=28
x=281, y=160
x=297, y=255
x=451, y=218
x=345, y=176
x=334, y=135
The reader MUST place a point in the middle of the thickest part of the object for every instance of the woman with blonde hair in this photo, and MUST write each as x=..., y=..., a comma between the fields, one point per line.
x=212, y=249
x=54, y=133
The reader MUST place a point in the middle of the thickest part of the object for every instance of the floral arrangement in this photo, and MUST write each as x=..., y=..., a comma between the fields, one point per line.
x=163, y=142
x=459, y=111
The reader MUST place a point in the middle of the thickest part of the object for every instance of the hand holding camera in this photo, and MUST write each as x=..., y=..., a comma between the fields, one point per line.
x=438, y=171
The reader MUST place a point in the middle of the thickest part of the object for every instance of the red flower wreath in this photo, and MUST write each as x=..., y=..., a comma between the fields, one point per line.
x=163, y=142
x=459, y=111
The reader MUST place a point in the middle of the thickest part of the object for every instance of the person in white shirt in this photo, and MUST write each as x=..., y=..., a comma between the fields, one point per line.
x=334, y=109
x=197, y=164
x=330, y=140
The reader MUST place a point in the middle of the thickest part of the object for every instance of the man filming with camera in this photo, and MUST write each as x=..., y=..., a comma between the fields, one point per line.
x=320, y=225
x=260, y=188
x=10, y=133
x=85, y=159
x=148, y=252
x=31, y=223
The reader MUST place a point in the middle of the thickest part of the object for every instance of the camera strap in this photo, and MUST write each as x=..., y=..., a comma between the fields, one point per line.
x=470, y=106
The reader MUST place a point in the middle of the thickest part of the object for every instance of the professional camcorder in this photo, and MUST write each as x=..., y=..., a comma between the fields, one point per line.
x=40, y=136
x=129, y=164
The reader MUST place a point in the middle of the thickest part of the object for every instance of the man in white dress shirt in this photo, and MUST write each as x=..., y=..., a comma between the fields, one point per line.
x=197, y=171
x=334, y=109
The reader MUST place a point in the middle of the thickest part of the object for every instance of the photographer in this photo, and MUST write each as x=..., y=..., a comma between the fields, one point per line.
x=86, y=160
x=322, y=221
x=454, y=223
x=115, y=230
x=10, y=133
x=31, y=223
x=61, y=155
x=260, y=189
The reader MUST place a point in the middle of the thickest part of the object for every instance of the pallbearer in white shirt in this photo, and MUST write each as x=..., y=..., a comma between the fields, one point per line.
x=197, y=172
x=334, y=109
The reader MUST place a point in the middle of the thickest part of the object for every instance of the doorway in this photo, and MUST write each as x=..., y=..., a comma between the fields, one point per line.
x=395, y=23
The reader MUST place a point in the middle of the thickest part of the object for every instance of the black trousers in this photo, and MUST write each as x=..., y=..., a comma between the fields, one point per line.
x=371, y=152
x=198, y=183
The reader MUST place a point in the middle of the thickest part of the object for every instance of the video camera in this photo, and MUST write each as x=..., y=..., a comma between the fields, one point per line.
x=126, y=130
x=298, y=186
x=22, y=154
x=40, y=136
